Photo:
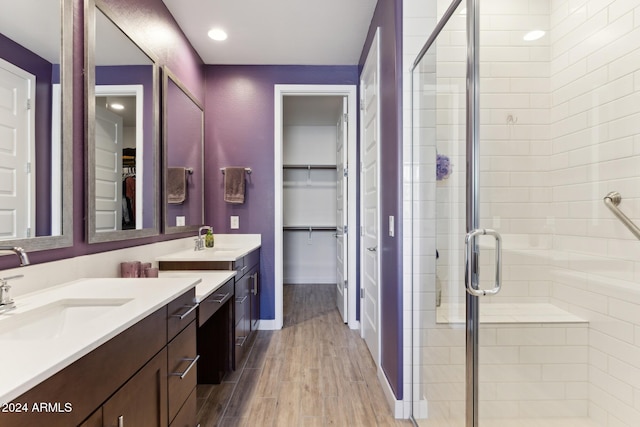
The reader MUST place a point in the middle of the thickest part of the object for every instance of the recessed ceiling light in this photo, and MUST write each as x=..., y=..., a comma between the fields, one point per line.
x=117, y=106
x=217, y=34
x=533, y=35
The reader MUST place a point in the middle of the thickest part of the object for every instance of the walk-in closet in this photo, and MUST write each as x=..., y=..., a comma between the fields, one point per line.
x=311, y=125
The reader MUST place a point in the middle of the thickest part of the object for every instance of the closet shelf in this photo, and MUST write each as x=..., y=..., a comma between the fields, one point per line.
x=309, y=167
x=310, y=228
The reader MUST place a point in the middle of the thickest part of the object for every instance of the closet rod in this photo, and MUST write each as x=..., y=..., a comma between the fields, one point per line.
x=309, y=167
x=308, y=228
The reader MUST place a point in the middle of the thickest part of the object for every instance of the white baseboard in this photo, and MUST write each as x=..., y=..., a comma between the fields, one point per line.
x=401, y=409
x=268, y=325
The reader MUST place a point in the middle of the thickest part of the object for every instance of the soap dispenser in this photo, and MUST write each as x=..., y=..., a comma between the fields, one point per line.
x=208, y=239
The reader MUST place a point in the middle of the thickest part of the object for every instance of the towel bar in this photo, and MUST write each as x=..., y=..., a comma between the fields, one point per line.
x=247, y=170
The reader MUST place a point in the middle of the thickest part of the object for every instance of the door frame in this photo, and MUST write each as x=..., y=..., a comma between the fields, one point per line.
x=374, y=49
x=280, y=91
x=138, y=92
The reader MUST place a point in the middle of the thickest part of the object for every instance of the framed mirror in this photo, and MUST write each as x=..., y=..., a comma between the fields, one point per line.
x=183, y=149
x=36, y=129
x=122, y=131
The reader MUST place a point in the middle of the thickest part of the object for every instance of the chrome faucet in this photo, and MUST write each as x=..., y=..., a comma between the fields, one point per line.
x=6, y=302
x=200, y=240
x=22, y=255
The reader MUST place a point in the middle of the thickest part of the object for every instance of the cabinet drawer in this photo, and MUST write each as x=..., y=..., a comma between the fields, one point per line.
x=181, y=312
x=187, y=415
x=241, y=298
x=213, y=302
x=252, y=258
x=182, y=368
x=241, y=308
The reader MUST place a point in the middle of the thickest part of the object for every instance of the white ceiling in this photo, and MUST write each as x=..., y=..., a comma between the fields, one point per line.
x=34, y=24
x=276, y=32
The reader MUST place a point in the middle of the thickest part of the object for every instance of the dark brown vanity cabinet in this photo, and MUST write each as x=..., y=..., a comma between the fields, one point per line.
x=143, y=377
x=241, y=315
x=254, y=293
x=247, y=306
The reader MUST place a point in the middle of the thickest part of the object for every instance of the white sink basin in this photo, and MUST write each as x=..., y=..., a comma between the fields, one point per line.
x=56, y=318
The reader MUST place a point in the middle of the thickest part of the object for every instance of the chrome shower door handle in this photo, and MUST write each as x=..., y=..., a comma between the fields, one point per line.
x=469, y=241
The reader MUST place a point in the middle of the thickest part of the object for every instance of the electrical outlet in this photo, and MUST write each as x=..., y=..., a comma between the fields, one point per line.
x=235, y=222
x=180, y=221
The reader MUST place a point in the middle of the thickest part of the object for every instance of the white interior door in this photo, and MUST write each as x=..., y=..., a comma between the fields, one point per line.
x=369, y=122
x=341, y=212
x=108, y=170
x=17, y=152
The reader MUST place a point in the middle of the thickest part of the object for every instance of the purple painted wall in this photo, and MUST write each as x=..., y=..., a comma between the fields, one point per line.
x=388, y=16
x=184, y=122
x=140, y=18
x=137, y=75
x=43, y=70
x=239, y=131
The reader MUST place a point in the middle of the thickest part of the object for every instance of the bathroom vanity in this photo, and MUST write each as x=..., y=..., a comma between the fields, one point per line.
x=215, y=322
x=101, y=352
x=239, y=254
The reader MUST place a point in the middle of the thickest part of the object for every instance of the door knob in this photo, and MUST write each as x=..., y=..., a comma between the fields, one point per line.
x=373, y=249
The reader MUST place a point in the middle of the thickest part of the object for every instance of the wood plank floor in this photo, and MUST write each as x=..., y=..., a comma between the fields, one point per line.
x=313, y=372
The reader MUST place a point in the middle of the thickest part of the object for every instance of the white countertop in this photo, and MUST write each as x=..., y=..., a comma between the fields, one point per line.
x=211, y=280
x=30, y=355
x=228, y=247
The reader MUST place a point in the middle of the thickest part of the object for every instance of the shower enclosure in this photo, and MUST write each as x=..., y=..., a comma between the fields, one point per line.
x=525, y=115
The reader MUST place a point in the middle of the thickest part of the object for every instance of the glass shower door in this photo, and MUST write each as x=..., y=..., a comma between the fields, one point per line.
x=438, y=210
x=557, y=133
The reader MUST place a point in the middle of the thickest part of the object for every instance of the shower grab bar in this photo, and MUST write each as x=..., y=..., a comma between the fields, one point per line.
x=612, y=200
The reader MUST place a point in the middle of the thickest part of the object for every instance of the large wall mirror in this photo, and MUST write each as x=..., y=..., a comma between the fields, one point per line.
x=36, y=132
x=183, y=137
x=122, y=131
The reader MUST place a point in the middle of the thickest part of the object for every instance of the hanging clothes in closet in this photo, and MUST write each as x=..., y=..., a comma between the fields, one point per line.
x=128, y=188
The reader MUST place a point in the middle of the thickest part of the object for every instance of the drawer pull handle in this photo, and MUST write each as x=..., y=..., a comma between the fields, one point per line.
x=242, y=300
x=219, y=301
x=191, y=365
x=121, y=421
x=188, y=312
x=243, y=268
x=242, y=340
x=255, y=283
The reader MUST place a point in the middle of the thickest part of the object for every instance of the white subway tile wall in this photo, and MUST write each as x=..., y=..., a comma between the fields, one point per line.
x=560, y=128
